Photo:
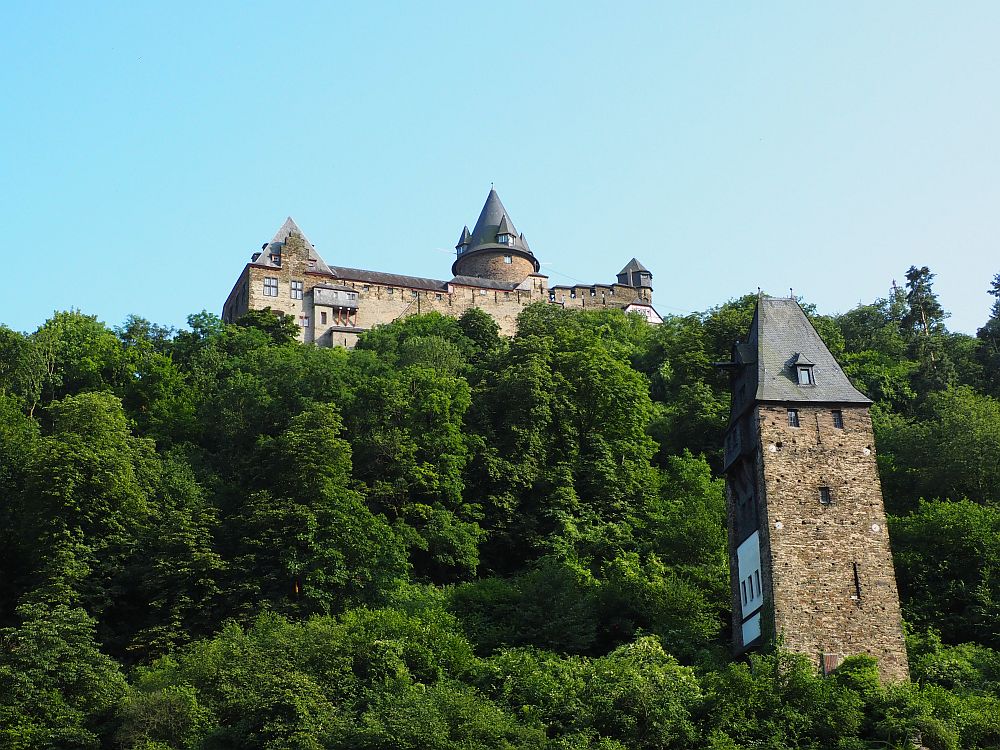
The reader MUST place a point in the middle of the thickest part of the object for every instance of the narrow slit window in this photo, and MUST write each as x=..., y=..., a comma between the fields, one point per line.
x=838, y=419
x=744, y=587
x=857, y=582
x=756, y=578
x=825, y=498
x=793, y=417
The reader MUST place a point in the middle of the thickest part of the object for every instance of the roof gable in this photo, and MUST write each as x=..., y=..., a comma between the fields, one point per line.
x=277, y=243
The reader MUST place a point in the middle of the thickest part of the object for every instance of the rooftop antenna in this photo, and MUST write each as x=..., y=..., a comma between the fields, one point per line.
x=791, y=293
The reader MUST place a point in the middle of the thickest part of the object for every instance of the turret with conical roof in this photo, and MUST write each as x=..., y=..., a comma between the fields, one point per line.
x=494, y=250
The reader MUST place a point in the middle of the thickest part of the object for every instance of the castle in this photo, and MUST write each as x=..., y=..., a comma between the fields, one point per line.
x=809, y=553
x=809, y=549
x=494, y=270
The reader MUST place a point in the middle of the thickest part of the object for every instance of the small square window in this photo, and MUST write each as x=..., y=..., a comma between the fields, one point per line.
x=508, y=259
x=438, y=296
x=389, y=290
x=413, y=294
x=322, y=317
x=793, y=417
x=838, y=419
x=296, y=290
x=270, y=286
x=365, y=288
x=825, y=498
x=304, y=321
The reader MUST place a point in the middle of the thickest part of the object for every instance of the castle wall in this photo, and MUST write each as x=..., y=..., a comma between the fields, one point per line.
x=827, y=568
x=599, y=295
x=322, y=322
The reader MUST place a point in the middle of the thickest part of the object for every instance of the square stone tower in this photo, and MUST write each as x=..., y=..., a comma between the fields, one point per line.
x=809, y=556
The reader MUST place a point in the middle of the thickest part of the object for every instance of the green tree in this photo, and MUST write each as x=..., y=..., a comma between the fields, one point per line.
x=947, y=556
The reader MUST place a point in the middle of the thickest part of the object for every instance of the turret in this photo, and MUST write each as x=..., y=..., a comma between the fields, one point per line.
x=494, y=250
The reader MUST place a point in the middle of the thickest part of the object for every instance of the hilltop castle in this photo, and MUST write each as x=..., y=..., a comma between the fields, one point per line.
x=494, y=270
x=809, y=553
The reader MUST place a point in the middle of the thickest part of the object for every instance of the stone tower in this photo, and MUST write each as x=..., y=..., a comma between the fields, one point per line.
x=494, y=250
x=809, y=550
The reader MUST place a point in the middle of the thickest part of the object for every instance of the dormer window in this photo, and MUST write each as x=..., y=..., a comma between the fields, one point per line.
x=803, y=368
x=505, y=239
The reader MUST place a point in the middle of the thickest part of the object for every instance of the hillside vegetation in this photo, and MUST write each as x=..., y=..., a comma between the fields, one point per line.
x=220, y=538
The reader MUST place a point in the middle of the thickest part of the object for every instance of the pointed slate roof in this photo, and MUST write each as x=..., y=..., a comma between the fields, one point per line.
x=494, y=220
x=633, y=265
x=465, y=237
x=505, y=226
x=277, y=242
x=780, y=335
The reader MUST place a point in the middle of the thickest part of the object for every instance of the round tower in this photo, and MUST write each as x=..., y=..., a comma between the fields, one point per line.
x=494, y=250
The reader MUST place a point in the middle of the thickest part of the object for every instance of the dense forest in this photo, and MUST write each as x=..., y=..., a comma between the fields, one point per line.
x=221, y=538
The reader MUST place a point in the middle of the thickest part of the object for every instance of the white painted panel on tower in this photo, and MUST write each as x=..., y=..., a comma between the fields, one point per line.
x=751, y=629
x=750, y=591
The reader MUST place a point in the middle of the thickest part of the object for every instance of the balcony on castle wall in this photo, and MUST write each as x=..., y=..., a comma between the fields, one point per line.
x=335, y=297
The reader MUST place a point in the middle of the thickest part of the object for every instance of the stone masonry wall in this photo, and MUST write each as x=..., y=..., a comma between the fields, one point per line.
x=489, y=264
x=811, y=549
x=382, y=303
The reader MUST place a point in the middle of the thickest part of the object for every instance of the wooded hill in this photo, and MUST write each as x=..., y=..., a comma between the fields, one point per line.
x=220, y=538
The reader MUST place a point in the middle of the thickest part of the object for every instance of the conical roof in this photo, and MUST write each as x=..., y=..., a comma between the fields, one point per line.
x=782, y=336
x=492, y=218
x=464, y=238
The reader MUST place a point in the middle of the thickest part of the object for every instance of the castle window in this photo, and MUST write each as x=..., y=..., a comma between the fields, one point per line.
x=508, y=259
x=304, y=321
x=838, y=419
x=312, y=264
x=793, y=417
x=276, y=258
x=806, y=376
x=413, y=294
x=296, y=290
x=322, y=317
x=857, y=583
x=270, y=286
x=438, y=296
x=825, y=498
x=366, y=288
x=389, y=290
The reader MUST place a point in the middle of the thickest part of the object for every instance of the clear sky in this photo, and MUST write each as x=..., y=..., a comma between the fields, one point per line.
x=149, y=148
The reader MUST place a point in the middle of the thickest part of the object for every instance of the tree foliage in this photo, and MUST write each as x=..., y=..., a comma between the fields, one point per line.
x=444, y=538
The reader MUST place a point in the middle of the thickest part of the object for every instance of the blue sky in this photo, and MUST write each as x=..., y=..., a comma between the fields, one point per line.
x=149, y=148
